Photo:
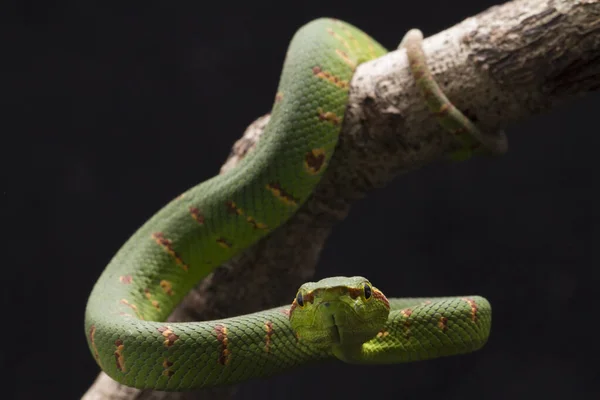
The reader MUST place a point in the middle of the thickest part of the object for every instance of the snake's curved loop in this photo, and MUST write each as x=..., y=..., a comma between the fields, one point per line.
x=217, y=219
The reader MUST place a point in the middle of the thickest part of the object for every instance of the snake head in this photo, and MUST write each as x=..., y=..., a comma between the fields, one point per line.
x=338, y=311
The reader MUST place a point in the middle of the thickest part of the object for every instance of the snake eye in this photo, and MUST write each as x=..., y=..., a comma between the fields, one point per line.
x=299, y=299
x=367, y=289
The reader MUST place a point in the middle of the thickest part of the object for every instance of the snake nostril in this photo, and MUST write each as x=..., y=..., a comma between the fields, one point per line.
x=326, y=304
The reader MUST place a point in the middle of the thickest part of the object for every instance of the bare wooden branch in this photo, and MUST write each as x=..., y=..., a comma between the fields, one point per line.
x=508, y=63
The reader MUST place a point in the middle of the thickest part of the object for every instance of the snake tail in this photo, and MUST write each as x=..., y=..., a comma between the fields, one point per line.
x=472, y=140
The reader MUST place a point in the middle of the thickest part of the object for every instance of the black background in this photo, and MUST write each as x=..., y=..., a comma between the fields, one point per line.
x=119, y=108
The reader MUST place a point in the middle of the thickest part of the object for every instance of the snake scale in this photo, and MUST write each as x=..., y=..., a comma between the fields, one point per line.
x=344, y=318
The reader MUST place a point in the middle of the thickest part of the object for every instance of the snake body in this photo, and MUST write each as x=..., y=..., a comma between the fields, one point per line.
x=217, y=219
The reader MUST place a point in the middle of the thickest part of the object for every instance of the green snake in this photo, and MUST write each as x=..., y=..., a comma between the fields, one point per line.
x=343, y=318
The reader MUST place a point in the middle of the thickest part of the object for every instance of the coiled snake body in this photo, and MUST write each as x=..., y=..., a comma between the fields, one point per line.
x=339, y=317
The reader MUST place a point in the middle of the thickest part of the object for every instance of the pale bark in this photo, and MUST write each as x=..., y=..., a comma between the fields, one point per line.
x=508, y=63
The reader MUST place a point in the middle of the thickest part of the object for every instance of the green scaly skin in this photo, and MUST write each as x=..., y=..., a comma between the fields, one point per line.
x=356, y=322
x=217, y=219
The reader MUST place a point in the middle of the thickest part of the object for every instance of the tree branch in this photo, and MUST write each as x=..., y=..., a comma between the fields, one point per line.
x=508, y=63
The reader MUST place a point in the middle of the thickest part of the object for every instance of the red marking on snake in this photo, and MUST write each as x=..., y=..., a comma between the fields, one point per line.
x=277, y=190
x=125, y=279
x=225, y=353
x=348, y=32
x=133, y=307
x=444, y=110
x=93, y=343
x=170, y=337
x=167, y=287
x=355, y=292
x=278, y=97
x=382, y=333
x=443, y=324
x=306, y=298
x=292, y=308
x=346, y=59
x=473, y=308
x=339, y=37
x=286, y=311
x=166, y=244
x=380, y=296
x=309, y=297
x=269, y=328
x=314, y=160
x=328, y=116
x=119, y=359
x=224, y=243
x=167, y=368
x=149, y=297
x=319, y=73
x=233, y=209
x=407, y=312
x=197, y=215
x=256, y=224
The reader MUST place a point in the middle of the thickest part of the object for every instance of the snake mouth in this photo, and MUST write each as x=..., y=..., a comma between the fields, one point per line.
x=335, y=331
